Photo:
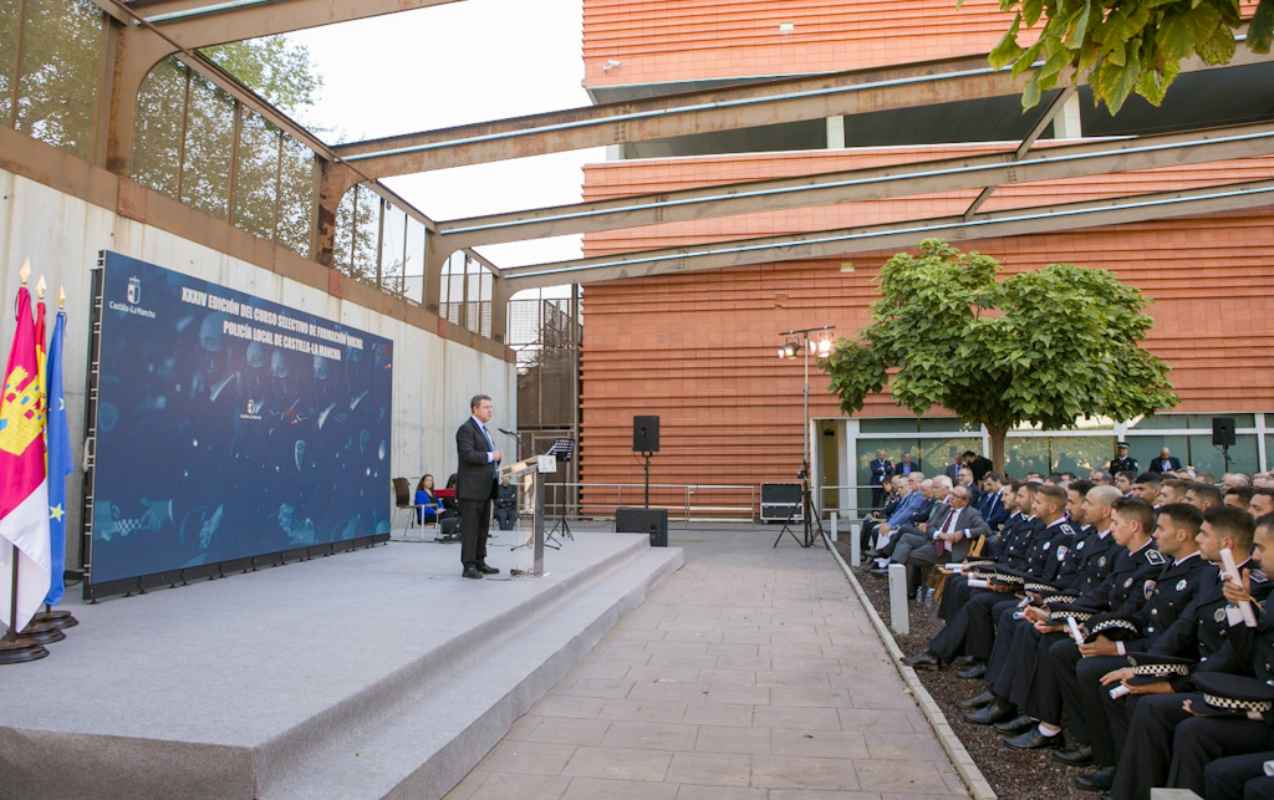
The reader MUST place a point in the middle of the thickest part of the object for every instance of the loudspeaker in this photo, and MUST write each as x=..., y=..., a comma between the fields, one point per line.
x=653, y=521
x=1223, y=431
x=645, y=434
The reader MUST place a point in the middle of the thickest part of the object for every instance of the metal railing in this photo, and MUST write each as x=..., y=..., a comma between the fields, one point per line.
x=693, y=501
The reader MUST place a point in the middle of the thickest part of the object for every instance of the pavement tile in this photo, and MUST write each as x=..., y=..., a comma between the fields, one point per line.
x=731, y=714
x=920, y=776
x=605, y=688
x=803, y=718
x=503, y=786
x=567, y=706
x=722, y=739
x=618, y=763
x=558, y=730
x=597, y=789
x=803, y=773
x=689, y=792
x=650, y=735
x=710, y=769
x=531, y=758
x=823, y=744
x=904, y=746
x=646, y=711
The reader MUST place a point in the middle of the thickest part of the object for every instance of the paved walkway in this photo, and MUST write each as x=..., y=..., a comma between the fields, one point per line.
x=751, y=674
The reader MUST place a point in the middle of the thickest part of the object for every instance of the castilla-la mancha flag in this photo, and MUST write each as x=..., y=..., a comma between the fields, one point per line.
x=24, y=490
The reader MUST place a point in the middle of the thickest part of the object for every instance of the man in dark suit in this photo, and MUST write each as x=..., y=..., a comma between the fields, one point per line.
x=950, y=538
x=979, y=464
x=1122, y=462
x=477, y=485
x=881, y=470
x=1166, y=462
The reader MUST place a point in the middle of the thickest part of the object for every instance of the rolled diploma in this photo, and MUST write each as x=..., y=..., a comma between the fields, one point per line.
x=1075, y=634
x=1231, y=572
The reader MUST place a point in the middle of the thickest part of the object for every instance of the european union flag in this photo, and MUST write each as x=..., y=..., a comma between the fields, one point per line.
x=58, y=446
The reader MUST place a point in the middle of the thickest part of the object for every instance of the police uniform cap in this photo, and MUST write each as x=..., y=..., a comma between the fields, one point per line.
x=1227, y=694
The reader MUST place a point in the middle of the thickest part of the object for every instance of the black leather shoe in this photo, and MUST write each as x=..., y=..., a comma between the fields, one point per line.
x=924, y=660
x=977, y=701
x=880, y=573
x=996, y=711
x=1097, y=781
x=974, y=673
x=486, y=569
x=471, y=571
x=1016, y=725
x=965, y=661
x=1077, y=755
x=1034, y=740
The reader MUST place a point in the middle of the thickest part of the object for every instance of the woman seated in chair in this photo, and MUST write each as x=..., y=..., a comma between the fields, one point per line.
x=428, y=507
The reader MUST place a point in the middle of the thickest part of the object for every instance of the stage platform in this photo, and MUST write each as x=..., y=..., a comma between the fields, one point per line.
x=378, y=673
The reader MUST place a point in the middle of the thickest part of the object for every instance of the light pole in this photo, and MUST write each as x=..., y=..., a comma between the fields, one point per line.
x=819, y=344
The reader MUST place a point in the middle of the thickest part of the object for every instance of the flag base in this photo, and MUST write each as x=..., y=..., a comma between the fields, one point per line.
x=57, y=619
x=20, y=651
x=41, y=633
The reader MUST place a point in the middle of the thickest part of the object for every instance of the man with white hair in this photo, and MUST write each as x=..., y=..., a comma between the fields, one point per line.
x=914, y=502
x=910, y=537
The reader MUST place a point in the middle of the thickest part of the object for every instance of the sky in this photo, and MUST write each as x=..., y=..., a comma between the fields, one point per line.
x=453, y=64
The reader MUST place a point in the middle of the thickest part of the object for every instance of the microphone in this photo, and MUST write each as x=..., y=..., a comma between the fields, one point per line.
x=507, y=433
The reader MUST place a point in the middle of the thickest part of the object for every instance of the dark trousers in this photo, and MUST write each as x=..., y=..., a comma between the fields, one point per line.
x=475, y=524
x=1239, y=778
x=981, y=635
x=1098, y=707
x=867, y=535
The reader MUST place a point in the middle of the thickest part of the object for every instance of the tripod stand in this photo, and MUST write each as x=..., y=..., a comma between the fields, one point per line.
x=810, y=522
x=560, y=527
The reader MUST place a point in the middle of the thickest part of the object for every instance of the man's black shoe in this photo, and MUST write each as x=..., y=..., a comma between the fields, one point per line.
x=1097, y=781
x=973, y=673
x=996, y=711
x=1016, y=725
x=470, y=571
x=977, y=701
x=965, y=661
x=1034, y=740
x=1077, y=755
x=880, y=573
x=924, y=660
x=486, y=569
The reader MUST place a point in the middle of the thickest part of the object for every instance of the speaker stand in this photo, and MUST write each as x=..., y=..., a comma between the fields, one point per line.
x=647, y=456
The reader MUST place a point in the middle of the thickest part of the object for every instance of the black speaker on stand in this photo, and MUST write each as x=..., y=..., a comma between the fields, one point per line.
x=652, y=521
x=1223, y=437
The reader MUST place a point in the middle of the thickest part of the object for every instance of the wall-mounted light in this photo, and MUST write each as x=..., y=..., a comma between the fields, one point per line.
x=611, y=64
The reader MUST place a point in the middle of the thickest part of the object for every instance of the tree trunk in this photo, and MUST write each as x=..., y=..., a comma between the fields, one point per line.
x=997, y=446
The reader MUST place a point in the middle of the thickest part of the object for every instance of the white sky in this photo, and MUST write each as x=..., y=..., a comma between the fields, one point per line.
x=453, y=64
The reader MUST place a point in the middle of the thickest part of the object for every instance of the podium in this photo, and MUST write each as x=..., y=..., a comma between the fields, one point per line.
x=525, y=476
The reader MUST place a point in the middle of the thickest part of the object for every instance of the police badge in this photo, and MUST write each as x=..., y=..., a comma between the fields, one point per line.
x=1181, y=585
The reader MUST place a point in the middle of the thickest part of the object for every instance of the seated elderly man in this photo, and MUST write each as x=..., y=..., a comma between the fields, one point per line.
x=913, y=506
x=912, y=534
x=950, y=536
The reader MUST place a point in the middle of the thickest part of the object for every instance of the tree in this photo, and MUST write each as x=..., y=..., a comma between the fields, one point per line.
x=278, y=70
x=1124, y=46
x=1046, y=347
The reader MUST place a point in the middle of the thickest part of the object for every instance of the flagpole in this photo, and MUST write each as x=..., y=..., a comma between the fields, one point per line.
x=15, y=649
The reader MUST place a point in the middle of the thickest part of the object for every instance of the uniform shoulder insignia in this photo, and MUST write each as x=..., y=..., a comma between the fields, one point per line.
x=1155, y=557
x=1067, y=528
x=1257, y=576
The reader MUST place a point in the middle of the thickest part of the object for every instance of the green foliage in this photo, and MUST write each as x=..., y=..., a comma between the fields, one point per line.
x=273, y=67
x=1123, y=46
x=1046, y=347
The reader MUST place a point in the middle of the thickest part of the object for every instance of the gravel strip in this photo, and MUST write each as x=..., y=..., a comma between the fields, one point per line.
x=1018, y=774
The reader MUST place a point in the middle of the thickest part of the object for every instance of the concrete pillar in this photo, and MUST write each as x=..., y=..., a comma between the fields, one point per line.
x=855, y=545
x=836, y=132
x=1067, y=124
x=436, y=254
x=899, y=618
x=835, y=527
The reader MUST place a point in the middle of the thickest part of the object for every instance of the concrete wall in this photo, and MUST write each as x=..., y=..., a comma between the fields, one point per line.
x=62, y=234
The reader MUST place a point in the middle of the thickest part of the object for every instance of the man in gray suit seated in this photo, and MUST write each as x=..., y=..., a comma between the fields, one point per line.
x=913, y=535
x=950, y=539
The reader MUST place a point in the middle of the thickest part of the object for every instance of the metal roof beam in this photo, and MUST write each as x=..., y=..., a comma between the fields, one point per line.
x=895, y=236
x=876, y=183
x=203, y=24
x=753, y=105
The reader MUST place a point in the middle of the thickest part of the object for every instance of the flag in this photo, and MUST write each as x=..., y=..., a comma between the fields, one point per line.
x=58, y=444
x=24, y=490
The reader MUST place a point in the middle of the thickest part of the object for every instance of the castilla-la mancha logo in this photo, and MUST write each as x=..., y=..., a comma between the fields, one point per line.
x=134, y=290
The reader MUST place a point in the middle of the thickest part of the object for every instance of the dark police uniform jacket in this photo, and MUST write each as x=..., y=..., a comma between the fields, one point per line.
x=1125, y=464
x=1202, y=628
x=1173, y=591
x=1088, y=563
x=1042, y=558
x=1123, y=590
x=1011, y=545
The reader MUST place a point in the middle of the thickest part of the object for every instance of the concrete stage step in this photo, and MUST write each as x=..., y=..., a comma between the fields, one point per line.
x=374, y=674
